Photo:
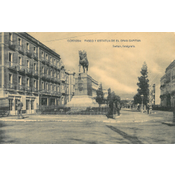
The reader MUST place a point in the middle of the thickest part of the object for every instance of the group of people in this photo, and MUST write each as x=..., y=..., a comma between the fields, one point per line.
x=114, y=107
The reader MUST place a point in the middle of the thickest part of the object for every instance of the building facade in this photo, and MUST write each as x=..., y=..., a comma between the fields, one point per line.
x=167, y=88
x=31, y=72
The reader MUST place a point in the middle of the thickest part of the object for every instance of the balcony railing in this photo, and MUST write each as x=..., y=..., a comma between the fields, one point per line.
x=28, y=89
x=63, y=91
x=35, y=73
x=20, y=49
x=28, y=71
x=43, y=75
x=21, y=88
x=11, y=86
x=12, y=46
x=29, y=54
x=35, y=56
x=34, y=89
x=11, y=65
x=21, y=68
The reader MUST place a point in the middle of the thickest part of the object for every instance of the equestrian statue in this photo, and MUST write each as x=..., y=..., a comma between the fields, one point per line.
x=83, y=61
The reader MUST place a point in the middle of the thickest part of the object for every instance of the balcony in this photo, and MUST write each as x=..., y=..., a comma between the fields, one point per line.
x=43, y=91
x=11, y=65
x=28, y=89
x=35, y=57
x=21, y=69
x=51, y=78
x=11, y=86
x=28, y=71
x=34, y=90
x=63, y=91
x=35, y=73
x=44, y=60
x=12, y=46
x=62, y=78
x=43, y=75
x=20, y=50
x=21, y=88
x=29, y=54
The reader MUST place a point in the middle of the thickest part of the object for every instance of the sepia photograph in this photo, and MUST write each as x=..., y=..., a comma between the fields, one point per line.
x=87, y=88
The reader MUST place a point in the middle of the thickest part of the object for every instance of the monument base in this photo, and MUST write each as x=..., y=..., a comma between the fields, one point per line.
x=82, y=101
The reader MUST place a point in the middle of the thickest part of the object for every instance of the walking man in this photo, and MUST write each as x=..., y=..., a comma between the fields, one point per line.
x=118, y=106
x=19, y=108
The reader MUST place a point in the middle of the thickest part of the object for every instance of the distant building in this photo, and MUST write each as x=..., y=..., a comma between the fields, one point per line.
x=31, y=72
x=167, y=86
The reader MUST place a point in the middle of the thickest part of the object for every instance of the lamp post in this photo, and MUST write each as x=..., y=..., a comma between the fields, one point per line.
x=142, y=101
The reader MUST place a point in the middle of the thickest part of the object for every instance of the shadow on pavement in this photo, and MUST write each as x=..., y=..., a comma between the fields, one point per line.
x=132, y=139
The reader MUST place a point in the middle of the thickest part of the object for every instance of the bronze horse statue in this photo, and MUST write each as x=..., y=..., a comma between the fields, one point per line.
x=83, y=61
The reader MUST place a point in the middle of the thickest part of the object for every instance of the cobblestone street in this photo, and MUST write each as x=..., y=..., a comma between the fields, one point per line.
x=131, y=127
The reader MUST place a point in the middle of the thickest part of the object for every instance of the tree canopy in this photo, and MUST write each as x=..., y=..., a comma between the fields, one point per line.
x=143, y=86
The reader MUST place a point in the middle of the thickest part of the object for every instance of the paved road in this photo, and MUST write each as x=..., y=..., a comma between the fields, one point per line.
x=131, y=127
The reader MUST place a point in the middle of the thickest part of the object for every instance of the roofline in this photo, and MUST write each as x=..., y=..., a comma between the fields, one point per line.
x=38, y=43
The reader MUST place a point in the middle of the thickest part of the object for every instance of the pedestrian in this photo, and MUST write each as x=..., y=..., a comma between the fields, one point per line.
x=118, y=107
x=19, y=108
x=110, y=110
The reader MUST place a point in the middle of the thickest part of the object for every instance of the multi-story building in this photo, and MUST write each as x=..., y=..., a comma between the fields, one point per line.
x=71, y=84
x=167, y=88
x=31, y=72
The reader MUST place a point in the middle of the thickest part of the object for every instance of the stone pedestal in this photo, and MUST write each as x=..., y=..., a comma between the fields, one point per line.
x=85, y=91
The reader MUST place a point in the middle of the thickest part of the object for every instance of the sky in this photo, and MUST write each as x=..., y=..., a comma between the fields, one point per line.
x=115, y=67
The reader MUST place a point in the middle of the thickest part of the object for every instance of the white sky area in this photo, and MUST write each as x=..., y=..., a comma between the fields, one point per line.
x=115, y=68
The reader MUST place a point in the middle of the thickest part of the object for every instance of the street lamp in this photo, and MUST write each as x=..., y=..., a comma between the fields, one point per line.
x=142, y=101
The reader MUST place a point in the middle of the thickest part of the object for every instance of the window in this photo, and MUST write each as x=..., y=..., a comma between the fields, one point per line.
x=10, y=104
x=10, y=37
x=27, y=46
x=43, y=70
x=10, y=78
x=46, y=57
x=20, y=61
x=54, y=88
x=10, y=57
x=34, y=49
x=42, y=54
x=47, y=71
x=51, y=87
x=47, y=87
x=27, y=104
x=19, y=42
x=34, y=83
x=58, y=88
x=20, y=80
x=28, y=64
x=34, y=66
x=42, y=85
x=51, y=73
x=28, y=82
x=32, y=104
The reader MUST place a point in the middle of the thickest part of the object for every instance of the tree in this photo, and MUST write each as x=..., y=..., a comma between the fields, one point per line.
x=143, y=86
x=100, y=96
